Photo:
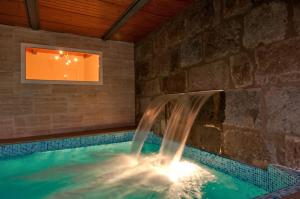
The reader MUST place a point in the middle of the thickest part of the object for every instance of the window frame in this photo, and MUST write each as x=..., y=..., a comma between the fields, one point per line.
x=31, y=81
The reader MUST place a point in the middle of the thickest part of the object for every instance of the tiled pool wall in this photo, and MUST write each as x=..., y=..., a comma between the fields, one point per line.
x=278, y=180
x=13, y=150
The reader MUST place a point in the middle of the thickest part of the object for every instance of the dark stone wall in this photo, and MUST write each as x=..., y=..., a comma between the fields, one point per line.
x=249, y=48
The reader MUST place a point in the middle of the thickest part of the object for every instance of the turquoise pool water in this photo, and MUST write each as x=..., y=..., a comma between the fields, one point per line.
x=87, y=173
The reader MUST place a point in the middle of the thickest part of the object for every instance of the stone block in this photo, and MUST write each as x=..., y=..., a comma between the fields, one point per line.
x=235, y=7
x=191, y=51
x=143, y=69
x=43, y=105
x=241, y=68
x=244, y=108
x=26, y=35
x=292, y=151
x=175, y=58
x=33, y=121
x=209, y=76
x=161, y=64
x=10, y=105
x=245, y=145
x=31, y=90
x=201, y=16
x=6, y=31
x=176, y=31
x=213, y=110
x=7, y=128
x=160, y=39
x=174, y=83
x=278, y=63
x=119, y=50
x=143, y=104
x=143, y=50
x=283, y=110
x=223, y=40
x=296, y=18
x=150, y=88
x=265, y=24
x=67, y=120
x=118, y=67
x=206, y=137
x=6, y=79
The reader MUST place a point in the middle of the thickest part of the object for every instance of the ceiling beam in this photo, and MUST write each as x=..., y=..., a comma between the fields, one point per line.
x=131, y=10
x=32, y=10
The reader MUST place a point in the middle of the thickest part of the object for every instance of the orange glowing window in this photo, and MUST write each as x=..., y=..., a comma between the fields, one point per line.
x=48, y=64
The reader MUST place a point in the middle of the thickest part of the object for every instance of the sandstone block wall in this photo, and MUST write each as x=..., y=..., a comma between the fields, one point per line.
x=36, y=109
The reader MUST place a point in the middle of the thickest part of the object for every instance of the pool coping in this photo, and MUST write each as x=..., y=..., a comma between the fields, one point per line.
x=67, y=135
x=259, y=177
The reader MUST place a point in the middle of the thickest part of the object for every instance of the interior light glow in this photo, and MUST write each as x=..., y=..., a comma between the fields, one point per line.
x=56, y=57
x=61, y=52
x=75, y=59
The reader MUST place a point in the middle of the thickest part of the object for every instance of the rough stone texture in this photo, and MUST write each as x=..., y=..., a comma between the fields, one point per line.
x=206, y=137
x=245, y=145
x=283, y=110
x=235, y=7
x=296, y=18
x=161, y=64
x=223, y=40
x=143, y=50
x=150, y=88
x=202, y=15
x=265, y=24
x=243, y=108
x=292, y=144
x=191, y=51
x=143, y=70
x=176, y=31
x=213, y=111
x=209, y=76
x=143, y=103
x=260, y=104
x=241, y=68
x=278, y=63
x=175, y=83
x=35, y=109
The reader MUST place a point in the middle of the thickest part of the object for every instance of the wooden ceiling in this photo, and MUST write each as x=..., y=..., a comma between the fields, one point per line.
x=93, y=18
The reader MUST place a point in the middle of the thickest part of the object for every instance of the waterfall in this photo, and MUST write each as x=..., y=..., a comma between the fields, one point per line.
x=185, y=109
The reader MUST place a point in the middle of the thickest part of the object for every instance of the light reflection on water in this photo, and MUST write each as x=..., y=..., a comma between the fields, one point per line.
x=126, y=177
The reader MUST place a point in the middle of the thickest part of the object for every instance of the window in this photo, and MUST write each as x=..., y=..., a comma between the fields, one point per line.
x=57, y=65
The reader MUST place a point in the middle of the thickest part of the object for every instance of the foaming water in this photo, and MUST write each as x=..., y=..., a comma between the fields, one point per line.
x=124, y=176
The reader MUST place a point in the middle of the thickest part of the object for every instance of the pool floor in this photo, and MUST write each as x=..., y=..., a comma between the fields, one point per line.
x=79, y=173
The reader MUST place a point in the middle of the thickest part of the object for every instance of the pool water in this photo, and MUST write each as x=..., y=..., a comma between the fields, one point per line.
x=105, y=171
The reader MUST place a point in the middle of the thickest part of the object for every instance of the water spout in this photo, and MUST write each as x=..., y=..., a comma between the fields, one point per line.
x=184, y=112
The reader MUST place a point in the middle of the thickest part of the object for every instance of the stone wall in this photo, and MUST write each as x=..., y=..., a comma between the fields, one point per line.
x=36, y=109
x=251, y=49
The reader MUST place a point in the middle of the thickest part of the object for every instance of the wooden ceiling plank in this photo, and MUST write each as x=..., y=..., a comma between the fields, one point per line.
x=131, y=11
x=33, y=13
x=90, y=8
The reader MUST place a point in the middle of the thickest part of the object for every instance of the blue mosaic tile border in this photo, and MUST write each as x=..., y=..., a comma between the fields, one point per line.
x=277, y=180
x=13, y=150
x=280, y=181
